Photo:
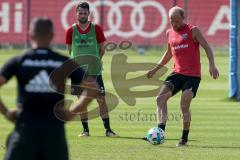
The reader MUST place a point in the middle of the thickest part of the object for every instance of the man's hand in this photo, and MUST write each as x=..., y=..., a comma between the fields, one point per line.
x=213, y=72
x=151, y=72
x=11, y=115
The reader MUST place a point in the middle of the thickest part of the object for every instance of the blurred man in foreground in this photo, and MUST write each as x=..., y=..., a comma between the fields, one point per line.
x=38, y=132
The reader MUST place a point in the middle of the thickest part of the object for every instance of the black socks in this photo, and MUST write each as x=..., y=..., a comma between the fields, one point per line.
x=185, y=135
x=85, y=125
x=106, y=123
x=162, y=126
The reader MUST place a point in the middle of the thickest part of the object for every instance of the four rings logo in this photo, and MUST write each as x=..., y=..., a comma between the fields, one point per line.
x=115, y=17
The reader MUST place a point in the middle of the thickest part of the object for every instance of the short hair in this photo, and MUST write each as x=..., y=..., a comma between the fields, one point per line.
x=83, y=5
x=177, y=9
x=41, y=26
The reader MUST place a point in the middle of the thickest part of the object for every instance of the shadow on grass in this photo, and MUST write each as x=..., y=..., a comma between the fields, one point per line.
x=2, y=147
x=215, y=147
x=175, y=139
x=121, y=137
x=227, y=99
x=141, y=138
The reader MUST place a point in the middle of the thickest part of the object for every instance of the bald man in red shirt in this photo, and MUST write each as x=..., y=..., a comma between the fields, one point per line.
x=183, y=47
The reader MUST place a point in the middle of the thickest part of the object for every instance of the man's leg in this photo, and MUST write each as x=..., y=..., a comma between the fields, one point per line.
x=104, y=108
x=186, y=99
x=90, y=92
x=105, y=116
x=76, y=90
x=189, y=92
x=162, y=114
x=171, y=86
x=84, y=120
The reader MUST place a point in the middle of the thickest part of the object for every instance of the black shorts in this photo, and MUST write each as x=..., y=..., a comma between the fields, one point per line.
x=32, y=145
x=177, y=82
x=75, y=90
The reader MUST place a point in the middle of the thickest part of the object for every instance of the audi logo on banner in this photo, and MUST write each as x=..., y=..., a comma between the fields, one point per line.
x=143, y=22
x=137, y=17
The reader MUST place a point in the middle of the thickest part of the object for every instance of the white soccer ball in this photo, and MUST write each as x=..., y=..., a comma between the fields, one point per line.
x=155, y=136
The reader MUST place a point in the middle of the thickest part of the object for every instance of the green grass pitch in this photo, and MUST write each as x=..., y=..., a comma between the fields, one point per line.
x=214, y=135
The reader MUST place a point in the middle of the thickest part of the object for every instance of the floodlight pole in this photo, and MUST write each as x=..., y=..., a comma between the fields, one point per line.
x=102, y=13
x=174, y=3
x=186, y=9
x=28, y=15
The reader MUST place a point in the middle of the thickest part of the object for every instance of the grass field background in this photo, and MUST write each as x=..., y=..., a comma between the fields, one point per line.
x=215, y=130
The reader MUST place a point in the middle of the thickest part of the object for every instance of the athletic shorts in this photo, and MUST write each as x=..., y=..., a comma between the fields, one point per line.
x=77, y=91
x=177, y=82
x=32, y=145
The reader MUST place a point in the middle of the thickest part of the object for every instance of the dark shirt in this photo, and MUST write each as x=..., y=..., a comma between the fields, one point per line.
x=38, y=90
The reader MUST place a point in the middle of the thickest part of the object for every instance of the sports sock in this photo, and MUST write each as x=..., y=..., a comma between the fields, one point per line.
x=185, y=135
x=85, y=125
x=162, y=126
x=106, y=123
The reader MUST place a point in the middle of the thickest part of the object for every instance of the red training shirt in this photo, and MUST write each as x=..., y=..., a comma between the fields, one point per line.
x=185, y=52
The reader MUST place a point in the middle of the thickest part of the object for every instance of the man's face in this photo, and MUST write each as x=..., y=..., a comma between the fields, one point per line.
x=176, y=21
x=82, y=15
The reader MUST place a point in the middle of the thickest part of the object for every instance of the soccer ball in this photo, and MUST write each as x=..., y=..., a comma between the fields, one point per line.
x=155, y=136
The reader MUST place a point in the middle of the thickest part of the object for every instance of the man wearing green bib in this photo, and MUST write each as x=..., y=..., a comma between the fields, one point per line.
x=85, y=43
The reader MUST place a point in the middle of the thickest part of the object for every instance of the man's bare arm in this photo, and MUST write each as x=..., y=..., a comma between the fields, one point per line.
x=198, y=37
x=166, y=57
x=69, y=48
x=163, y=61
x=3, y=108
x=102, y=49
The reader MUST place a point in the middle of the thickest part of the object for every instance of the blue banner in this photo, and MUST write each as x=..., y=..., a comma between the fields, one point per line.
x=234, y=67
